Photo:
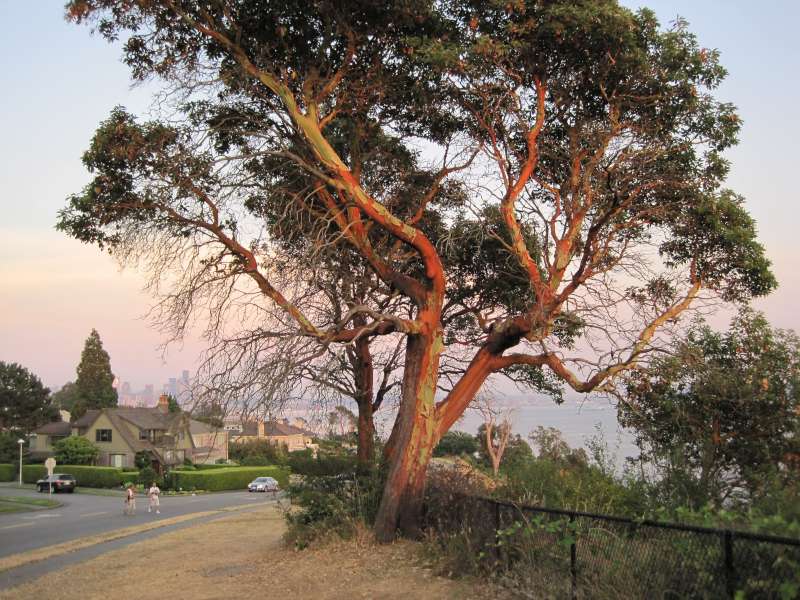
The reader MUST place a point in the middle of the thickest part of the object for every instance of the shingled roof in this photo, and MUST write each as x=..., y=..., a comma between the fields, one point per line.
x=276, y=428
x=55, y=428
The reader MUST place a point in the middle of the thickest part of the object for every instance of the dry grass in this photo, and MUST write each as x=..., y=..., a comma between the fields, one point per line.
x=16, y=560
x=243, y=555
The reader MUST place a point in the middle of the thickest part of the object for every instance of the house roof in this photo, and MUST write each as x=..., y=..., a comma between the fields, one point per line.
x=249, y=429
x=87, y=419
x=200, y=427
x=55, y=428
x=275, y=428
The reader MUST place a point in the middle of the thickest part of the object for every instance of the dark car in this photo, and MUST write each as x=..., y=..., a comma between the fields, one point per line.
x=60, y=482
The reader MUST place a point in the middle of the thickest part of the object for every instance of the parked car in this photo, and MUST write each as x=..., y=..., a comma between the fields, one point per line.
x=263, y=484
x=61, y=482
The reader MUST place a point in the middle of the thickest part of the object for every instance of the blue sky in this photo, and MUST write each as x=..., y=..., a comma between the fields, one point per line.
x=58, y=82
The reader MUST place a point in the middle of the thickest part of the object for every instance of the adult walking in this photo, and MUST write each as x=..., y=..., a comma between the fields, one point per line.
x=152, y=494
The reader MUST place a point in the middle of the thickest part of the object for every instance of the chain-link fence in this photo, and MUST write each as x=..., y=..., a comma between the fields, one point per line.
x=546, y=553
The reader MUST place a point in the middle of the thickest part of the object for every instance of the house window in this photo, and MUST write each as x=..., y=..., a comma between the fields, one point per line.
x=117, y=460
x=143, y=434
x=102, y=435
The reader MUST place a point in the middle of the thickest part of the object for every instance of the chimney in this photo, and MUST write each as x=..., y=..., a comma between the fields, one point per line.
x=163, y=403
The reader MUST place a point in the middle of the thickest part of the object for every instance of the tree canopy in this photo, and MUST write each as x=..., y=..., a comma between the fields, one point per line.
x=24, y=401
x=94, y=384
x=518, y=180
x=720, y=415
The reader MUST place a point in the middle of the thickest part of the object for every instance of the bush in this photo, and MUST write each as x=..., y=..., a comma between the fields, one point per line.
x=271, y=454
x=223, y=465
x=146, y=476
x=304, y=463
x=332, y=504
x=98, y=477
x=8, y=472
x=232, y=478
x=75, y=450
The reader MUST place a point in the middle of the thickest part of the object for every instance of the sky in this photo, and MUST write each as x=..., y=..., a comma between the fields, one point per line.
x=58, y=82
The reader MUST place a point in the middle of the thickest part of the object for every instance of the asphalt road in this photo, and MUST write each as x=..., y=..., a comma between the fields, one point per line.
x=83, y=514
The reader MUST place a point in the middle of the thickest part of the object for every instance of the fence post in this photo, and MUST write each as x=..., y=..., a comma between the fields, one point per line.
x=498, y=550
x=730, y=574
x=573, y=560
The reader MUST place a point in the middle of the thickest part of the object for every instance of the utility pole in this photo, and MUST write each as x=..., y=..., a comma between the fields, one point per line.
x=20, y=442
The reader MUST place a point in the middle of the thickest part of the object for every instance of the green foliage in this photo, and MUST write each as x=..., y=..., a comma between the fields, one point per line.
x=24, y=402
x=75, y=450
x=303, y=463
x=8, y=472
x=95, y=379
x=456, y=443
x=258, y=452
x=146, y=476
x=9, y=448
x=719, y=417
x=143, y=459
x=172, y=404
x=334, y=504
x=231, y=478
x=98, y=477
x=66, y=397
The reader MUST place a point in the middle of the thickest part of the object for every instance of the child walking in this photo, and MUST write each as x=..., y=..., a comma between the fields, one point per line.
x=130, y=500
x=152, y=495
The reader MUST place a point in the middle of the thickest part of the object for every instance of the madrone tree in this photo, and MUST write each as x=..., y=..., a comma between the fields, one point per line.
x=542, y=176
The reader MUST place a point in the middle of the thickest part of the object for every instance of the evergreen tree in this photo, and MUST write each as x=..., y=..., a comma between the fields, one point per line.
x=24, y=401
x=95, y=379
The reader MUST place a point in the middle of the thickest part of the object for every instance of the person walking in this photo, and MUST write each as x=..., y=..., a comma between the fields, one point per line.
x=152, y=494
x=130, y=500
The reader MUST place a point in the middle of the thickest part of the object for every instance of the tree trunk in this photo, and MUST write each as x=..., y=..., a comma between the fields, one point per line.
x=364, y=386
x=412, y=441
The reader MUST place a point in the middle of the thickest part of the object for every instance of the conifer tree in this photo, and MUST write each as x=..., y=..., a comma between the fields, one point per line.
x=95, y=379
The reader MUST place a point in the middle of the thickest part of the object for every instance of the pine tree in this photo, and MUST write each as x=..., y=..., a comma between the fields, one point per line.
x=95, y=379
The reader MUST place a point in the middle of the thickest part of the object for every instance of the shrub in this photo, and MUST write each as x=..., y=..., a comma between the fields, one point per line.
x=332, y=504
x=456, y=443
x=146, y=476
x=99, y=477
x=271, y=454
x=232, y=478
x=75, y=450
x=220, y=465
x=8, y=472
x=324, y=465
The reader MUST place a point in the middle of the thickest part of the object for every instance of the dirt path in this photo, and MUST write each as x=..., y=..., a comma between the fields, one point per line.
x=241, y=556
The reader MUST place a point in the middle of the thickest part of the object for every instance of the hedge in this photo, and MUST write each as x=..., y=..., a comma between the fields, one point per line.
x=206, y=467
x=8, y=472
x=232, y=478
x=98, y=477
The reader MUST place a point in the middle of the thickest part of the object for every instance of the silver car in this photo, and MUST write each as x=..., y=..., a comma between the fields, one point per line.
x=263, y=484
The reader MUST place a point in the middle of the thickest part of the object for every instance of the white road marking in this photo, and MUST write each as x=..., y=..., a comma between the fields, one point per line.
x=43, y=516
x=17, y=525
x=95, y=514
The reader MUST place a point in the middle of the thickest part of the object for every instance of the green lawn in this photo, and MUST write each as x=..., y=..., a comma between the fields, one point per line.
x=21, y=503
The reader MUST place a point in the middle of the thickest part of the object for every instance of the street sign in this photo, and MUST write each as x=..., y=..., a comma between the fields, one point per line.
x=50, y=464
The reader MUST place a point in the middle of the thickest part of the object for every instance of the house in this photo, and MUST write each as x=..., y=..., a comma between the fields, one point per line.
x=294, y=438
x=120, y=433
x=276, y=432
x=210, y=443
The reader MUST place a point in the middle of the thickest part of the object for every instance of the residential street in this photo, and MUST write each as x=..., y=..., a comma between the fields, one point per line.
x=84, y=514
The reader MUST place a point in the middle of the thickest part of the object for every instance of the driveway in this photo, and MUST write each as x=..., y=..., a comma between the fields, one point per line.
x=83, y=514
